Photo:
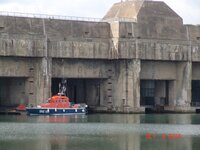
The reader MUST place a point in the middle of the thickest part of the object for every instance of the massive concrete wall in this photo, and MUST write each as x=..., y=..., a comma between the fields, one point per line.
x=19, y=46
x=157, y=70
x=44, y=39
x=157, y=20
x=80, y=68
x=164, y=46
x=112, y=57
x=15, y=67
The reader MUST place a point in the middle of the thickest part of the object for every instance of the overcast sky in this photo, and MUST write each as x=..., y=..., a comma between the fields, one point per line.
x=189, y=10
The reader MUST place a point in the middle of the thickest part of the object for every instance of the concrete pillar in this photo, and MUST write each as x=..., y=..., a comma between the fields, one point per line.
x=93, y=92
x=40, y=80
x=172, y=93
x=119, y=86
x=133, y=87
x=102, y=93
x=39, y=85
x=126, y=92
x=183, y=86
x=30, y=91
x=160, y=91
x=46, y=68
x=46, y=77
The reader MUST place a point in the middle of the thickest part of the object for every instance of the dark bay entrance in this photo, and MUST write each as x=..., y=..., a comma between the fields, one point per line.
x=80, y=90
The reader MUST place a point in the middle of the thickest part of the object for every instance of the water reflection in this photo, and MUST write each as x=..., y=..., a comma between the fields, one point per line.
x=109, y=118
x=97, y=132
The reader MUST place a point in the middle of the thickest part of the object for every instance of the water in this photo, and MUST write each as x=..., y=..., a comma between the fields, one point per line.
x=100, y=132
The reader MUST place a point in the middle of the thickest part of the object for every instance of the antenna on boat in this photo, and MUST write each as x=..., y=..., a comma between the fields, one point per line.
x=62, y=87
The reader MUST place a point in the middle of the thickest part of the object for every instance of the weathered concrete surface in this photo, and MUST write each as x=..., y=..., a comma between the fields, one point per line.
x=157, y=70
x=157, y=20
x=183, y=91
x=103, y=61
x=14, y=46
x=158, y=35
x=15, y=67
x=193, y=32
x=91, y=49
x=79, y=69
x=127, y=80
x=133, y=88
x=124, y=10
x=182, y=87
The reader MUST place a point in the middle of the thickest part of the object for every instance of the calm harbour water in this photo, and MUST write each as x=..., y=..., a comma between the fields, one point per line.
x=100, y=132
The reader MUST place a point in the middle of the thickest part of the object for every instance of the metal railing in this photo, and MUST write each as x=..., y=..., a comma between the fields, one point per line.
x=45, y=16
x=121, y=19
x=60, y=17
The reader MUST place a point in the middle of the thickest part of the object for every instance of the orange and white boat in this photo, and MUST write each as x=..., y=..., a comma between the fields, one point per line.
x=57, y=105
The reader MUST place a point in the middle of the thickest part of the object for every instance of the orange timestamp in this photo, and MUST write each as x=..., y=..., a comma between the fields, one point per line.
x=164, y=136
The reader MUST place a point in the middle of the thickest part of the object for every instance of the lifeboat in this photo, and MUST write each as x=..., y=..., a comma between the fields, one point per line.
x=57, y=105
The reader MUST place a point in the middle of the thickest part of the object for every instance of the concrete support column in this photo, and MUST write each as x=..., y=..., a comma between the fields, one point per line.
x=45, y=72
x=30, y=91
x=41, y=81
x=126, y=92
x=119, y=86
x=184, y=76
x=102, y=93
x=172, y=93
x=160, y=91
x=133, y=84
x=183, y=86
x=46, y=76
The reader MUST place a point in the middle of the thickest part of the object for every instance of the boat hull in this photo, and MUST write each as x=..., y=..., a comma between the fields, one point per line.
x=55, y=111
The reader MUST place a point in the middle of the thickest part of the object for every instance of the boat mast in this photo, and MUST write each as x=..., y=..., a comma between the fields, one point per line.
x=63, y=87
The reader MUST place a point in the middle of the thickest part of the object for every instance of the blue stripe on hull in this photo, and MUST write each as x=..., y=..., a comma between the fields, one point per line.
x=42, y=111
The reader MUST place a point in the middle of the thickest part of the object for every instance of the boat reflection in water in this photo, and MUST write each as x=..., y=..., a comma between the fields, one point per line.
x=60, y=118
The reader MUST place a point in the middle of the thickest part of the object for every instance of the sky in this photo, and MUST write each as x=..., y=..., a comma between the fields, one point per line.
x=189, y=10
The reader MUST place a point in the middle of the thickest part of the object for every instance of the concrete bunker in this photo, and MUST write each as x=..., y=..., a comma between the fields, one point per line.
x=12, y=91
x=153, y=45
x=80, y=90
